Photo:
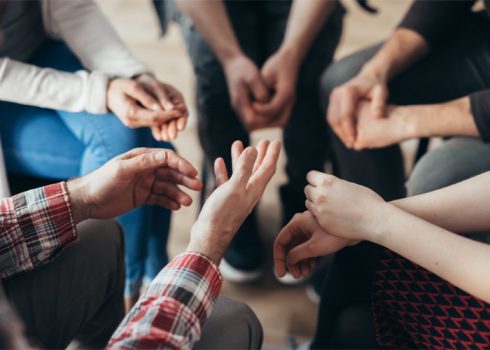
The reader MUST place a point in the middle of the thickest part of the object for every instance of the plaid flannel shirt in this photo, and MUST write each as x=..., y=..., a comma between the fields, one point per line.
x=36, y=225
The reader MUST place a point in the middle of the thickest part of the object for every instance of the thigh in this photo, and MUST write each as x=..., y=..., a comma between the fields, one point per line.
x=243, y=329
x=31, y=139
x=456, y=160
x=59, y=300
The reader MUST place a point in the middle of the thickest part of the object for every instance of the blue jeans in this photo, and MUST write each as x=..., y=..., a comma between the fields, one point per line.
x=59, y=145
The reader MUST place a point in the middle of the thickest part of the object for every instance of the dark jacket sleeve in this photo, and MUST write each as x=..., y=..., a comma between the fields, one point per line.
x=480, y=108
x=434, y=19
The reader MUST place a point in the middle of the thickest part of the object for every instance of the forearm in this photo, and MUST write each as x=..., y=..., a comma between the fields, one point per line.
x=463, y=262
x=35, y=226
x=306, y=19
x=88, y=33
x=452, y=118
x=48, y=88
x=402, y=49
x=463, y=207
x=184, y=293
x=212, y=21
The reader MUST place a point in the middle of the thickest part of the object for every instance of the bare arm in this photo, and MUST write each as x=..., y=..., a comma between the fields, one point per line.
x=305, y=21
x=461, y=261
x=212, y=21
x=463, y=207
x=453, y=118
x=402, y=49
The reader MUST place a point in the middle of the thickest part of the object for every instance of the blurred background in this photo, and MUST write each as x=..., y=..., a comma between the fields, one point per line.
x=283, y=311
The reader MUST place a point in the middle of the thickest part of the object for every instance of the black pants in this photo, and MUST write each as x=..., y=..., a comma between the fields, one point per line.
x=79, y=295
x=260, y=27
x=453, y=69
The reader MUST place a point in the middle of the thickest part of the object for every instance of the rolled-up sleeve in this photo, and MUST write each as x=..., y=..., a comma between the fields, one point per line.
x=480, y=109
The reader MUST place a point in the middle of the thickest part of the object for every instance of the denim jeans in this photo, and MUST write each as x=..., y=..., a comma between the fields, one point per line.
x=58, y=145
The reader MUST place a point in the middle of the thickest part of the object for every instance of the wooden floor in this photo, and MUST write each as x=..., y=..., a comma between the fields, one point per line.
x=282, y=311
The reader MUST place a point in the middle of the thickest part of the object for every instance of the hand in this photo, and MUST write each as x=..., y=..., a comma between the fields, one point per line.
x=382, y=132
x=342, y=208
x=140, y=176
x=344, y=101
x=232, y=202
x=245, y=86
x=135, y=107
x=168, y=99
x=279, y=73
x=300, y=242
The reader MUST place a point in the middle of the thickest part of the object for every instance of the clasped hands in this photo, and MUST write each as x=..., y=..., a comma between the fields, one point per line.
x=359, y=115
x=339, y=214
x=144, y=101
x=262, y=97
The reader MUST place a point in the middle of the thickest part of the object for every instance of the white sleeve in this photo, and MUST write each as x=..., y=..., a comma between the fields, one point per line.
x=48, y=88
x=88, y=33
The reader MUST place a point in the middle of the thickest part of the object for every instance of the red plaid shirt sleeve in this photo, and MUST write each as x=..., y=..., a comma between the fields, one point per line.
x=174, y=308
x=34, y=227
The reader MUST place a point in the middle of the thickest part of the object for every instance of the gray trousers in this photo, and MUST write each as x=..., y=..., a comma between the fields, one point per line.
x=79, y=296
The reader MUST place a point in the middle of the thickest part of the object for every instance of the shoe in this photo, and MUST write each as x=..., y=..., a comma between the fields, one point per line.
x=244, y=260
x=289, y=280
x=312, y=294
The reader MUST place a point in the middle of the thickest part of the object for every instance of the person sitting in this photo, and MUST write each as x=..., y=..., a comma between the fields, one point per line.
x=258, y=65
x=431, y=287
x=77, y=293
x=72, y=97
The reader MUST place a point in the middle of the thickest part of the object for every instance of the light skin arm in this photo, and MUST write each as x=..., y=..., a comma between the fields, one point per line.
x=453, y=118
x=461, y=208
x=461, y=261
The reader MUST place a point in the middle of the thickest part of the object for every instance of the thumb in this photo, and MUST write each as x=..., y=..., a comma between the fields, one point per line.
x=143, y=162
x=301, y=252
x=378, y=101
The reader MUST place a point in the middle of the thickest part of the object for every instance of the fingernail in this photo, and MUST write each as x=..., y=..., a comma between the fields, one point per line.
x=155, y=107
x=160, y=156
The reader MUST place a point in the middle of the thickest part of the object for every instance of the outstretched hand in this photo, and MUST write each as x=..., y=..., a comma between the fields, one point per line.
x=234, y=199
x=140, y=176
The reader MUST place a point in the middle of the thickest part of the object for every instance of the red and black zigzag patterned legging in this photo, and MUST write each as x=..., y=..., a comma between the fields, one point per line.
x=413, y=308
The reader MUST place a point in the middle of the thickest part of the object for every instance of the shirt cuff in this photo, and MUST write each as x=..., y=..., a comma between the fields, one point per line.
x=480, y=109
x=192, y=279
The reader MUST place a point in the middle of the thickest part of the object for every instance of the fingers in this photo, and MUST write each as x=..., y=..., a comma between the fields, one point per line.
x=182, y=165
x=163, y=201
x=137, y=117
x=267, y=169
x=281, y=247
x=236, y=151
x=220, y=172
x=163, y=98
x=277, y=104
x=172, y=192
x=244, y=167
x=348, y=106
x=173, y=176
x=143, y=160
x=138, y=92
x=182, y=123
x=164, y=132
x=262, y=150
x=172, y=130
x=155, y=131
x=317, y=178
x=378, y=101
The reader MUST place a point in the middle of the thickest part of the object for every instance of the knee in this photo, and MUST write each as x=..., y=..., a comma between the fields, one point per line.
x=243, y=329
x=104, y=238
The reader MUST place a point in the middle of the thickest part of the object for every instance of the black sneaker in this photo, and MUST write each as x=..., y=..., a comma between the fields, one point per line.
x=244, y=260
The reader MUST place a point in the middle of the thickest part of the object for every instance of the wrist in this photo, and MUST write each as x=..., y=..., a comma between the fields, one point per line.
x=374, y=71
x=406, y=121
x=229, y=55
x=293, y=54
x=79, y=205
x=383, y=218
x=205, y=244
